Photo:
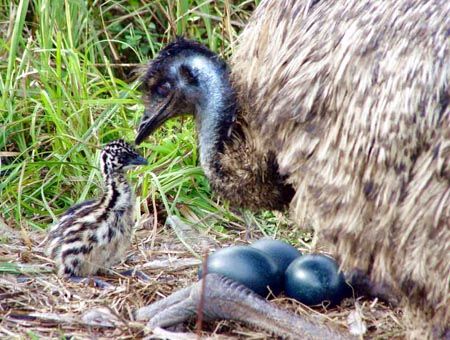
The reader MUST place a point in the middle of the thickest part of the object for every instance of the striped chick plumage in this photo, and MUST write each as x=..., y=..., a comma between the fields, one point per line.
x=93, y=235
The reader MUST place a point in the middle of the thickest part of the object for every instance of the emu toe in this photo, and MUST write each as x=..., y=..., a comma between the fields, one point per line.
x=226, y=299
x=91, y=281
x=135, y=274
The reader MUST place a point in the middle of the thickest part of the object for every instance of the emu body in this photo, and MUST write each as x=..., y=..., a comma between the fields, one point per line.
x=93, y=235
x=348, y=104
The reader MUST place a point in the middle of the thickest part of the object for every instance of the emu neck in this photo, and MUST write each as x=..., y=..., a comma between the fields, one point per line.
x=118, y=194
x=215, y=113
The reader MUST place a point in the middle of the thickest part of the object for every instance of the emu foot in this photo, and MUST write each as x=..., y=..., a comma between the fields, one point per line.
x=99, y=283
x=364, y=286
x=136, y=273
x=90, y=281
x=225, y=299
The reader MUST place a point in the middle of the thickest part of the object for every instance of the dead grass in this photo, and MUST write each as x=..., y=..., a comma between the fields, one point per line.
x=38, y=304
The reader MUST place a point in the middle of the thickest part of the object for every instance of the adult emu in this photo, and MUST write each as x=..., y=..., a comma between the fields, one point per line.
x=346, y=103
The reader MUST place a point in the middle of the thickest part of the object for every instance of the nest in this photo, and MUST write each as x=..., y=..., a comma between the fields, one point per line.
x=34, y=302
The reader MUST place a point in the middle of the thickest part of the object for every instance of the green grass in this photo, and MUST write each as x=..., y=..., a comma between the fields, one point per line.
x=68, y=84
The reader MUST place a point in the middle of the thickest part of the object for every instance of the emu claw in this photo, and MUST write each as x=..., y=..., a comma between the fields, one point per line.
x=364, y=286
x=136, y=273
x=225, y=299
x=91, y=281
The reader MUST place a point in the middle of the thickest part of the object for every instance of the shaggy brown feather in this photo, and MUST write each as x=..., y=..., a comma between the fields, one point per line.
x=356, y=101
x=347, y=101
x=249, y=178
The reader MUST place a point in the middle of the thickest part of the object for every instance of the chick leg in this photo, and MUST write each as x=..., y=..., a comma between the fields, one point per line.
x=99, y=283
x=136, y=273
x=95, y=281
x=226, y=299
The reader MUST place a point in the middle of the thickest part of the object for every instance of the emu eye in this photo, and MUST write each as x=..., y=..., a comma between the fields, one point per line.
x=163, y=89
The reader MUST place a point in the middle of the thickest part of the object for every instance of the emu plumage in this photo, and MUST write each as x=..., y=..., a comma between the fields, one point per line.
x=347, y=103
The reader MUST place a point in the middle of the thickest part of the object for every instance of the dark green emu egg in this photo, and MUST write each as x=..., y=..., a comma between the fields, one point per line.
x=281, y=252
x=313, y=279
x=246, y=265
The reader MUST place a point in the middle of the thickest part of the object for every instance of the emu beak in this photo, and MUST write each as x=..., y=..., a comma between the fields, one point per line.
x=152, y=120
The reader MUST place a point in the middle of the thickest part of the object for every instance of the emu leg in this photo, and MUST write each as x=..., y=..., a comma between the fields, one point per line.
x=226, y=299
x=364, y=286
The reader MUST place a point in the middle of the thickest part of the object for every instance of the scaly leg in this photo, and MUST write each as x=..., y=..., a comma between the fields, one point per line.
x=226, y=299
x=158, y=312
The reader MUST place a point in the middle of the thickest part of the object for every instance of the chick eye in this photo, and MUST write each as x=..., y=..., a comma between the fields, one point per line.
x=163, y=89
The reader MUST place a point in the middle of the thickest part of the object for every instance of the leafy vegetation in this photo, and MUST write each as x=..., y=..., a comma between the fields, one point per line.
x=69, y=78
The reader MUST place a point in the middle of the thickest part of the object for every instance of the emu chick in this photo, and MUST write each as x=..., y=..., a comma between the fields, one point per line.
x=93, y=235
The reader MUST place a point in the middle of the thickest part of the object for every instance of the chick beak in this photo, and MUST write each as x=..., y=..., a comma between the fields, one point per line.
x=138, y=160
x=152, y=120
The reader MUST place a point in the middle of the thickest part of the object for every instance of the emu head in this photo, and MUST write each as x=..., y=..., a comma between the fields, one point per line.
x=119, y=156
x=185, y=78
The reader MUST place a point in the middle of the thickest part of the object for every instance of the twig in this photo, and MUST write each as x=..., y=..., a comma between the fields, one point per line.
x=201, y=303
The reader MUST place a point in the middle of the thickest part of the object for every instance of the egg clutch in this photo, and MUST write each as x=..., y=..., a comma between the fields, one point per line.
x=272, y=265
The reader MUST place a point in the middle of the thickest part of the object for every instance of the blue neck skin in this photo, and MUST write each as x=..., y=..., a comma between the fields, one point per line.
x=215, y=109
